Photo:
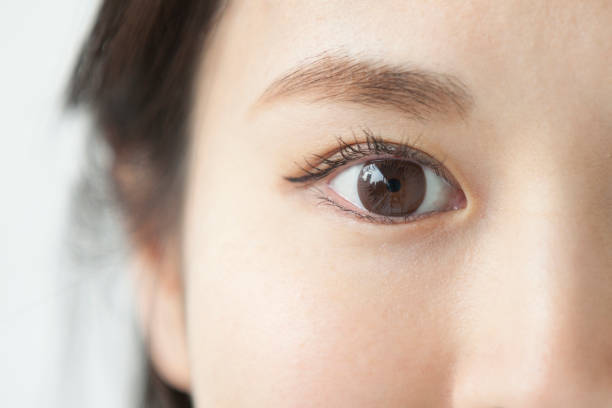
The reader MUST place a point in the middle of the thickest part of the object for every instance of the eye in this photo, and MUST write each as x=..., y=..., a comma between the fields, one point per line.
x=396, y=188
x=381, y=181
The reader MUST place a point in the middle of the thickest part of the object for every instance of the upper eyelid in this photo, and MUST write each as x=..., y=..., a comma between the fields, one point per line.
x=374, y=145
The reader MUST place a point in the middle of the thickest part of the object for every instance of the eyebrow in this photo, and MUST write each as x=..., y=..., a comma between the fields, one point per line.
x=420, y=94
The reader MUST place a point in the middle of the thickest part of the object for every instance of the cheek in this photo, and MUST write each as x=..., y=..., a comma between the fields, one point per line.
x=286, y=309
x=311, y=332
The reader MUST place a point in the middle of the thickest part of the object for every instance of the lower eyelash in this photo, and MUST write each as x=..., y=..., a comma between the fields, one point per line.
x=324, y=200
x=378, y=219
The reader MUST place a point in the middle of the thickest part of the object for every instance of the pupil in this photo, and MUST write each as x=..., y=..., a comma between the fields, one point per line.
x=394, y=185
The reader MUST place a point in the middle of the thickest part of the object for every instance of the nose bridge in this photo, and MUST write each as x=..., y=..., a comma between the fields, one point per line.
x=538, y=331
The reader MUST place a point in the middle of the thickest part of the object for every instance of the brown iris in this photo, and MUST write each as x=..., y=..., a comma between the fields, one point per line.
x=391, y=187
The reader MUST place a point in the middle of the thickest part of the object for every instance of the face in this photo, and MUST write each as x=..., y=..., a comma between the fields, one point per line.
x=402, y=205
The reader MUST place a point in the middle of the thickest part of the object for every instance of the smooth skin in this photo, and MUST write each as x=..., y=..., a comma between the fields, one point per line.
x=504, y=303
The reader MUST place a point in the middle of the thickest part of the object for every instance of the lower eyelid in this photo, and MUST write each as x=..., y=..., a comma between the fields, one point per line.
x=375, y=219
x=371, y=218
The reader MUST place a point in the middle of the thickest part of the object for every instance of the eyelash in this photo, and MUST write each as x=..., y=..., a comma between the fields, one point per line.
x=371, y=146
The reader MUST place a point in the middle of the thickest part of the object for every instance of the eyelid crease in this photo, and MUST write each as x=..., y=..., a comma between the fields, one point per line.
x=324, y=165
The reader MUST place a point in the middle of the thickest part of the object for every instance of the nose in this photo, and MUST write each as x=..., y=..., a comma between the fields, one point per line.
x=536, y=325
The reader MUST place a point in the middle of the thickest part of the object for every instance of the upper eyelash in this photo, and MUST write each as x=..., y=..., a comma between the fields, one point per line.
x=320, y=166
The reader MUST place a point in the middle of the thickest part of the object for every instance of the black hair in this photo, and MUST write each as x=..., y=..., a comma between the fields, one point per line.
x=135, y=75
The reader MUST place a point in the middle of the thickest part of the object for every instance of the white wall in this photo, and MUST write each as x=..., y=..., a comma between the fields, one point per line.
x=66, y=338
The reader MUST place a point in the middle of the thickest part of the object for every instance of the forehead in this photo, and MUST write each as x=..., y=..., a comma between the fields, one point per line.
x=470, y=25
x=528, y=42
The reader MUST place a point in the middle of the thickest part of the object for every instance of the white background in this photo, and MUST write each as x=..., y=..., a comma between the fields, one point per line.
x=67, y=337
